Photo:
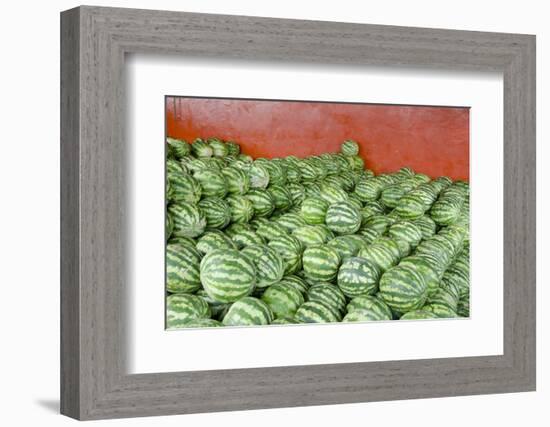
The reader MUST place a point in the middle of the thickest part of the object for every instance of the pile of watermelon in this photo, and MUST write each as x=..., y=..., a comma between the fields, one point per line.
x=309, y=240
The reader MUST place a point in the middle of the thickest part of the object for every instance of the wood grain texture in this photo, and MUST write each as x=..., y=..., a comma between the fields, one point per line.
x=94, y=239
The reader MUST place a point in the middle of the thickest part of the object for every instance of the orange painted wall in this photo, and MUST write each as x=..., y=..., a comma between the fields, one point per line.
x=432, y=140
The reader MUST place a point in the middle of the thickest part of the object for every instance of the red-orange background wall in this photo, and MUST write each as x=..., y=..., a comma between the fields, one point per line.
x=431, y=140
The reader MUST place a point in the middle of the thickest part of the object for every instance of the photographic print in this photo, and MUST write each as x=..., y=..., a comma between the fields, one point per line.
x=298, y=212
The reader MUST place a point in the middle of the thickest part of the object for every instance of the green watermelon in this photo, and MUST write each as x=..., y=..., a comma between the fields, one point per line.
x=349, y=148
x=316, y=312
x=212, y=240
x=189, y=221
x=233, y=149
x=283, y=299
x=201, y=323
x=227, y=275
x=290, y=221
x=406, y=231
x=314, y=210
x=216, y=212
x=178, y=147
x=418, y=315
x=219, y=149
x=311, y=235
x=376, y=307
x=259, y=176
x=182, y=268
x=248, y=311
x=200, y=148
x=185, y=188
x=368, y=189
x=269, y=264
x=212, y=182
x=380, y=255
x=181, y=308
x=425, y=269
x=290, y=250
x=281, y=196
x=271, y=230
x=296, y=283
x=237, y=180
x=358, y=276
x=242, y=209
x=262, y=201
x=321, y=262
x=403, y=289
x=343, y=218
x=345, y=246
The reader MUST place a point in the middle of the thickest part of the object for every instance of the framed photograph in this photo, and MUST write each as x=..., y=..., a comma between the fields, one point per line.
x=262, y=213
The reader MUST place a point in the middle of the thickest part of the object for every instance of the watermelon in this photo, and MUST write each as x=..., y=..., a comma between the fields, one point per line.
x=290, y=250
x=182, y=268
x=426, y=225
x=219, y=149
x=189, y=221
x=281, y=196
x=237, y=180
x=293, y=174
x=368, y=189
x=297, y=194
x=403, y=289
x=185, y=188
x=201, y=323
x=269, y=264
x=332, y=193
x=212, y=182
x=216, y=212
x=290, y=221
x=463, y=307
x=311, y=235
x=406, y=231
x=218, y=309
x=356, y=163
x=314, y=210
x=233, y=149
x=200, y=148
x=181, y=308
x=271, y=230
x=418, y=315
x=212, y=240
x=247, y=237
x=376, y=307
x=357, y=277
x=442, y=304
x=248, y=311
x=179, y=147
x=345, y=246
x=425, y=269
x=349, y=148
x=181, y=240
x=380, y=255
x=284, y=321
x=227, y=275
x=283, y=299
x=321, y=262
x=259, y=176
x=343, y=218
x=241, y=208
x=169, y=226
x=296, y=283
x=262, y=201
x=328, y=294
x=316, y=312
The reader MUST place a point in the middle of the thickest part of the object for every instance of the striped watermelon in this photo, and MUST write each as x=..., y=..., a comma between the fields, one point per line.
x=248, y=311
x=403, y=289
x=463, y=307
x=311, y=235
x=284, y=321
x=368, y=189
x=321, y=263
x=237, y=180
x=376, y=307
x=212, y=240
x=406, y=231
x=362, y=316
x=296, y=283
x=281, y=196
x=201, y=323
x=271, y=230
x=357, y=276
x=290, y=221
x=233, y=149
x=328, y=294
x=259, y=176
x=316, y=312
x=247, y=237
x=262, y=201
x=219, y=149
x=181, y=308
x=314, y=210
x=169, y=226
x=425, y=269
x=242, y=209
x=212, y=182
x=356, y=163
x=410, y=206
x=332, y=193
x=343, y=218
x=297, y=194
x=283, y=299
x=189, y=221
x=200, y=148
x=179, y=147
x=185, y=188
x=227, y=275
x=216, y=212
x=181, y=240
x=182, y=268
x=426, y=225
x=269, y=264
x=349, y=148
x=293, y=174
x=345, y=246
x=418, y=315
x=290, y=250
x=218, y=309
x=442, y=304
x=380, y=255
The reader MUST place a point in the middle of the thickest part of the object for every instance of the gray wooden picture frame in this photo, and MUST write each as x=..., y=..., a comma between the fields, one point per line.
x=94, y=382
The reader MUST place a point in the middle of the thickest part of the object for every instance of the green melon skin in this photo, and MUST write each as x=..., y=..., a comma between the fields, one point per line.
x=227, y=275
x=314, y=210
x=189, y=221
x=349, y=148
x=343, y=218
x=269, y=264
x=328, y=294
x=316, y=312
x=375, y=306
x=403, y=289
x=357, y=276
x=283, y=299
x=182, y=268
x=181, y=308
x=248, y=311
x=321, y=263
x=418, y=315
